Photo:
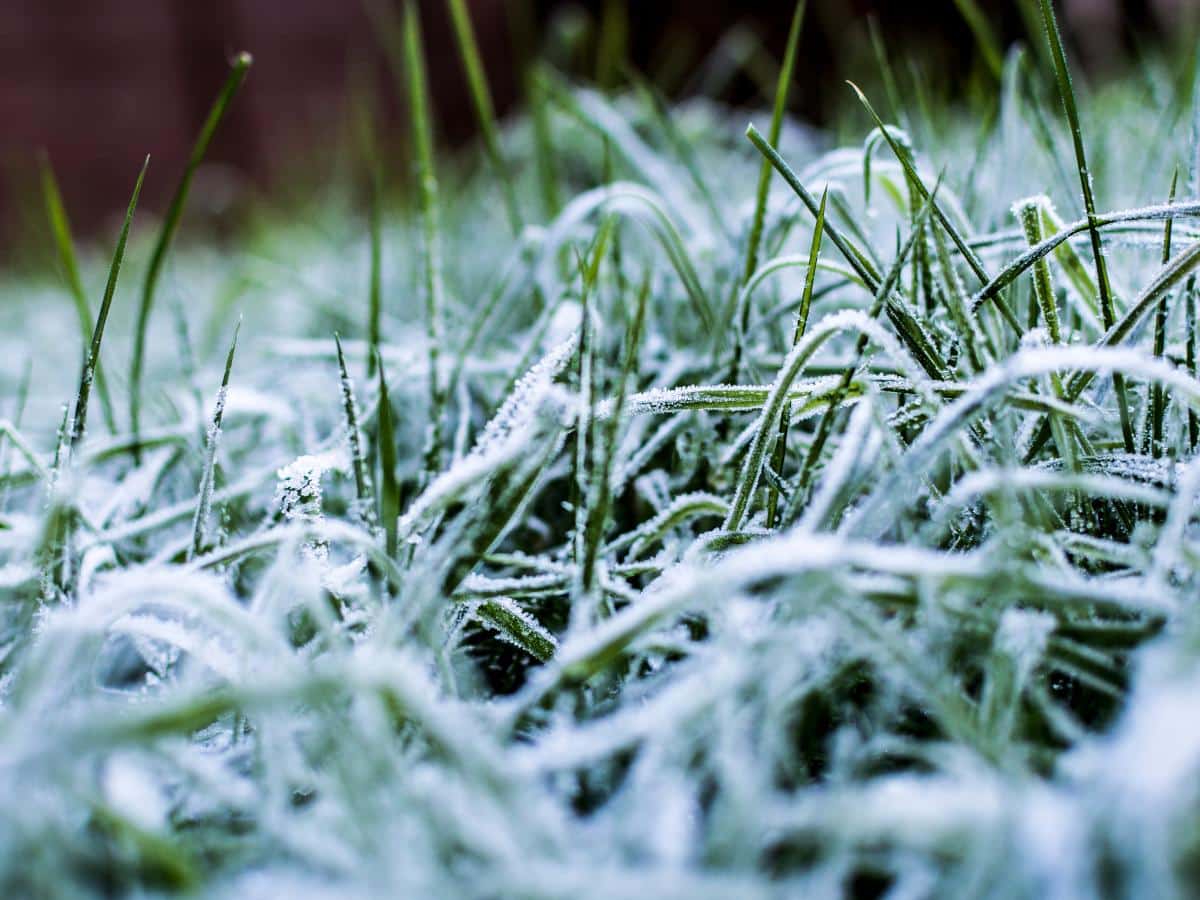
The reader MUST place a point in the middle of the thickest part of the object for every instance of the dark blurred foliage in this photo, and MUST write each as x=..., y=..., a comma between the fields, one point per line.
x=96, y=84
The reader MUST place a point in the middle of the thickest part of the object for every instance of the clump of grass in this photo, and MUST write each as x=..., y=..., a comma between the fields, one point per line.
x=558, y=608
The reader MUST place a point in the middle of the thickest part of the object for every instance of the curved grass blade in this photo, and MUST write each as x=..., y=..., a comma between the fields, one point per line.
x=240, y=66
x=60, y=227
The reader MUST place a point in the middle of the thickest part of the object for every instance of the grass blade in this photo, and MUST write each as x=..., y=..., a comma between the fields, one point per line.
x=358, y=458
x=485, y=112
x=1157, y=396
x=60, y=227
x=764, y=172
x=389, y=488
x=93, y=355
x=1067, y=92
x=985, y=37
x=814, y=251
x=237, y=74
x=207, y=478
x=427, y=189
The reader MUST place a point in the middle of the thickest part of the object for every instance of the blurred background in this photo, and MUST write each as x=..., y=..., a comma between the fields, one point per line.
x=96, y=84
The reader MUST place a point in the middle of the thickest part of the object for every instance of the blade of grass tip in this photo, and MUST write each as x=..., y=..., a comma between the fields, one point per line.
x=389, y=488
x=764, y=173
x=60, y=227
x=212, y=442
x=985, y=38
x=777, y=459
x=358, y=458
x=1157, y=396
x=1067, y=93
x=93, y=354
x=485, y=112
x=237, y=74
x=422, y=130
x=910, y=171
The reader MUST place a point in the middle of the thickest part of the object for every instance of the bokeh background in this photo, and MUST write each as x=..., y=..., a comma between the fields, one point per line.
x=96, y=84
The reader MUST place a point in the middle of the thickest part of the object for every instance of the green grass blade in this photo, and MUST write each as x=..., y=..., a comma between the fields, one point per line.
x=601, y=498
x=764, y=172
x=1066, y=91
x=93, y=355
x=212, y=443
x=485, y=112
x=777, y=459
x=60, y=228
x=985, y=37
x=237, y=75
x=1157, y=395
x=1190, y=351
x=1167, y=279
x=1029, y=214
x=427, y=189
x=389, y=488
x=358, y=458
x=776, y=401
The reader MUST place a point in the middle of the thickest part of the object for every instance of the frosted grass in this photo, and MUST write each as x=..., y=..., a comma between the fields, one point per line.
x=959, y=660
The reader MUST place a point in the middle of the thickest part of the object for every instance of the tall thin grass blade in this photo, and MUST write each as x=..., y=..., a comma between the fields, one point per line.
x=1066, y=91
x=93, y=354
x=485, y=112
x=237, y=74
x=431, y=250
